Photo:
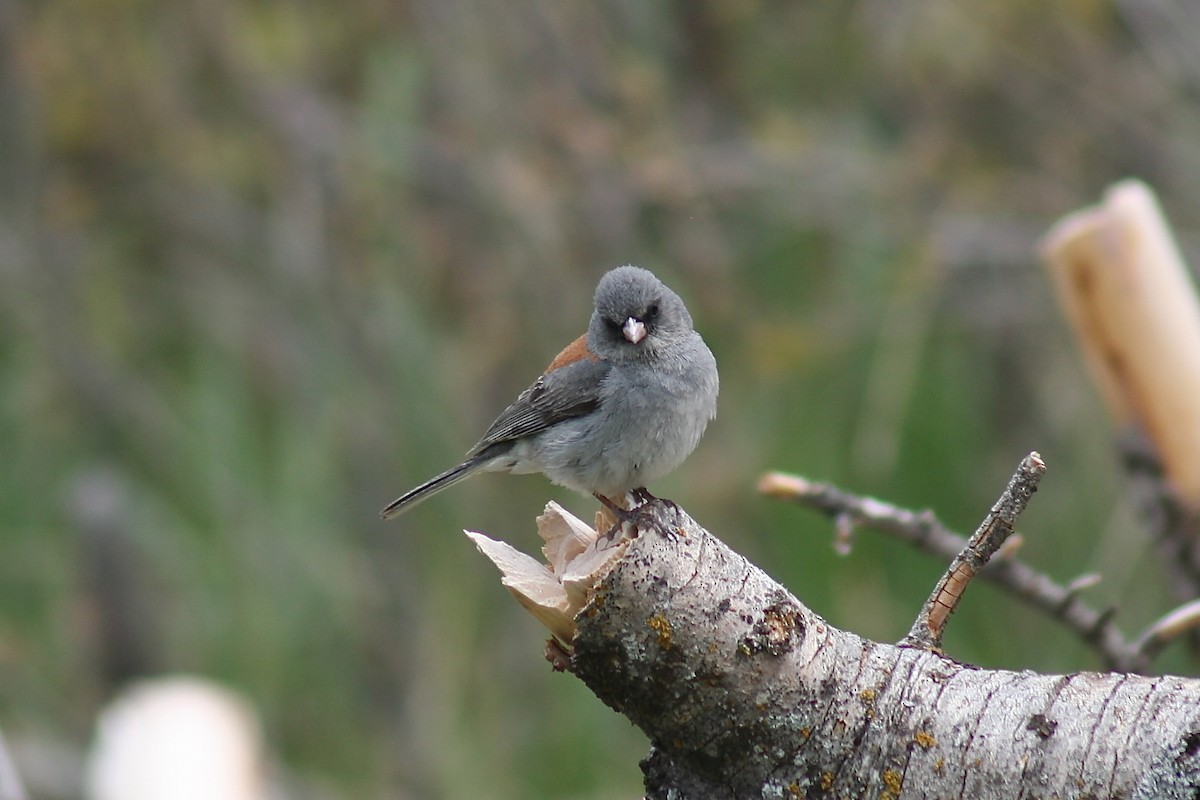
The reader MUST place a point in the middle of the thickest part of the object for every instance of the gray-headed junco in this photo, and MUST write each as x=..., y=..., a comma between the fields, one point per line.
x=620, y=406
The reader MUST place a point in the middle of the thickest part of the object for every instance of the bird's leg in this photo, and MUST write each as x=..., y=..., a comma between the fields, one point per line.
x=622, y=515
x=642, y=496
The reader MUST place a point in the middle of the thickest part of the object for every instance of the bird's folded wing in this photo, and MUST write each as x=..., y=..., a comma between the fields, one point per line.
x=569, y=391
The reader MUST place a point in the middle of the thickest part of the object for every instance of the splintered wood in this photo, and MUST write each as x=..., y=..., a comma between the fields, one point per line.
x=1128, y=294
x=577, y=557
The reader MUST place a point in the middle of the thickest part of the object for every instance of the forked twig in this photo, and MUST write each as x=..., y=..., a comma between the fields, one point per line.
x=923, y=530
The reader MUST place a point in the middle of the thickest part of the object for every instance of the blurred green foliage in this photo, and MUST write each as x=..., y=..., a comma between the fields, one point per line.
x=264, y=265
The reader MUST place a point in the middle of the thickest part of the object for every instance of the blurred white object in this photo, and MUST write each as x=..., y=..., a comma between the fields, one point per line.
x=177, y=738
x=11, y=787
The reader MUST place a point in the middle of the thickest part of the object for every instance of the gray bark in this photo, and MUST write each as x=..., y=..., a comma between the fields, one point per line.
x=745, y=693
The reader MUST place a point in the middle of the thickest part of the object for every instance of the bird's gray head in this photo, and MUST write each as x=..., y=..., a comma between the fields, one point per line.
x=636, y=316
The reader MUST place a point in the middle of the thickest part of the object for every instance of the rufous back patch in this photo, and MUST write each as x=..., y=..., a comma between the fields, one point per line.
x=575, y=351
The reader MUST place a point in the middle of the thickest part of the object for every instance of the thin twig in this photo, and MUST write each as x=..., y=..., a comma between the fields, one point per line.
x=1174, y=527
x=1167, y=629
x=924, y=531
x=930, y=625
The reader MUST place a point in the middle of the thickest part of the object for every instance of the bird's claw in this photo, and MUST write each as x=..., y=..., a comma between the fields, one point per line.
x=641, y=515
x=641, y=495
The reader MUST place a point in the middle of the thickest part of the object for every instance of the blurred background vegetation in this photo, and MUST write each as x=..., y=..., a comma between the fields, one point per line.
x=265, y=264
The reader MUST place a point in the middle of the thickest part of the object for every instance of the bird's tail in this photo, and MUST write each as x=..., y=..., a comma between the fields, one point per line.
x=431, y=487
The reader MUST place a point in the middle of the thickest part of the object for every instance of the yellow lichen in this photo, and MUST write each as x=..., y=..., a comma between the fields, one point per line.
x=662, y=626
x=894, y=781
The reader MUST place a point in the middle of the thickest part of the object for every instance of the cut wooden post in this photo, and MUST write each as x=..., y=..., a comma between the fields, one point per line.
x=1133, y=305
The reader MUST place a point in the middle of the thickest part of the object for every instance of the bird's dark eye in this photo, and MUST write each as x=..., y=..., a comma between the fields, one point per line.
x=612, y=324
x=652, y=311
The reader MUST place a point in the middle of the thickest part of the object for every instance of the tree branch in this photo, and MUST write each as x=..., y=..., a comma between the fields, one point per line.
x=746, y=693
x=923, y=530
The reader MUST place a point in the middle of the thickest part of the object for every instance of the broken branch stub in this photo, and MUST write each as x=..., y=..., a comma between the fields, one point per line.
x=556, y=591
x=930, y=625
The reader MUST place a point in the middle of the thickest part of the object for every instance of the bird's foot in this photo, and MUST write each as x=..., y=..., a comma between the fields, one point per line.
x=638, y=515
x=642, y=496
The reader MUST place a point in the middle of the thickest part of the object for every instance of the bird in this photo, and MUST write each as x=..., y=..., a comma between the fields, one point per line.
x=618, y=408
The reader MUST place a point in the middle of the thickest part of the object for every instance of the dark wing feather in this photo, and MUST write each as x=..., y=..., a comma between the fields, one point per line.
x=569, y=391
